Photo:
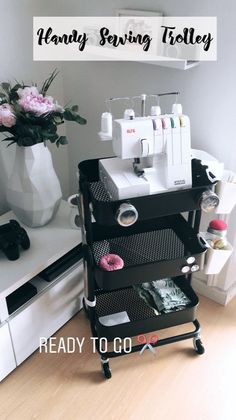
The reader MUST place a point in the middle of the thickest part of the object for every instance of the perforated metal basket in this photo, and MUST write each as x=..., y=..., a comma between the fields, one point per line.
x=161, y=250
x=142, y=317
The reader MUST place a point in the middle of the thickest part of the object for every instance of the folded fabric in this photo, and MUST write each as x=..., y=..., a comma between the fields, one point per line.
x=172, y=296
x=163, y=295
x=145, y=295
x=149, y=293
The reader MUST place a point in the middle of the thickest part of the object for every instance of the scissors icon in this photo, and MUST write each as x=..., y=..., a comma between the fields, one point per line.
x=153, y=339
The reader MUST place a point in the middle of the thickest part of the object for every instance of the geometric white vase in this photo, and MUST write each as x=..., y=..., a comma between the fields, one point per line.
x=33, y=190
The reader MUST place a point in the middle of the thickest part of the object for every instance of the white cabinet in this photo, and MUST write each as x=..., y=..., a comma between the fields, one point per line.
x=55, y=302
x=7, y=359
x=46, y=312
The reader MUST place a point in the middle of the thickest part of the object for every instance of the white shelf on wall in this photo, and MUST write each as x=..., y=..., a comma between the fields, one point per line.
x=110, y=54
x=164, y=61
x=176, y=64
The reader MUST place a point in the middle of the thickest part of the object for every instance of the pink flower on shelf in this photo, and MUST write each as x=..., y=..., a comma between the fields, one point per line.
x=7, y=117
x=38, y=104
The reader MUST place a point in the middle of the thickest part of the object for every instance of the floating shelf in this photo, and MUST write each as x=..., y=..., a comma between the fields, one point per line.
x=176, y=64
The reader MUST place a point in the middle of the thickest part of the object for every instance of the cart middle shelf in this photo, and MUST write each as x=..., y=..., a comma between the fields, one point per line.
x=152, y=250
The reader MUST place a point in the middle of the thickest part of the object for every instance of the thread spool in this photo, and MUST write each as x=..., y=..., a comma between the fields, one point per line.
x=129, y=114
x=155, y=110
x=106, y=126
x=126, y=215
x=177, y=109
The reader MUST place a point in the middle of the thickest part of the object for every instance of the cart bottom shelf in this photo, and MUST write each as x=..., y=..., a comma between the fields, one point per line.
x=142, y=318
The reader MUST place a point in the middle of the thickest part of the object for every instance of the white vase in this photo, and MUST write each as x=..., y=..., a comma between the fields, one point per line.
x=33, y=190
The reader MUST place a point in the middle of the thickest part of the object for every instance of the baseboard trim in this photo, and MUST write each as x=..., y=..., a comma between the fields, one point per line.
x=220, y=296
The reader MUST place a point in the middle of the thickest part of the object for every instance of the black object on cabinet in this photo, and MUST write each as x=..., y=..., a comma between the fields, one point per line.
x=162, y=243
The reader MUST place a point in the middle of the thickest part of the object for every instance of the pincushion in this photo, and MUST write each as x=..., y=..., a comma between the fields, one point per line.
x=217, y=225
x=111, y=262
x=217, y=231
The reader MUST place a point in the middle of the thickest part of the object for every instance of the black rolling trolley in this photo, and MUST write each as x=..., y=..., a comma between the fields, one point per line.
x=162, y=243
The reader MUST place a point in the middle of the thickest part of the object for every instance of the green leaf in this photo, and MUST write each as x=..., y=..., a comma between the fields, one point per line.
x=18, y=83
x=13, y=95
x=53, y=138
x=69, y=115
x=63, y=140
x=47, y=135
x=81, y=120
x=75, y=108
x=26, y=141
x=6, y=86
x=17, y=86
x=9, y=138
x=4, y=129
x=57, y=116
x=12, y=142
x=48, y=82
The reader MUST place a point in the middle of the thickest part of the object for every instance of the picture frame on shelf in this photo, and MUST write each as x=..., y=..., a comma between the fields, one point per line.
x=139, y=26
x=132, y=12
x=169, y=62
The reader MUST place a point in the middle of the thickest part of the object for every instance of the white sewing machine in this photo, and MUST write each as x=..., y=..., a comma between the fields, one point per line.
x=153, y=152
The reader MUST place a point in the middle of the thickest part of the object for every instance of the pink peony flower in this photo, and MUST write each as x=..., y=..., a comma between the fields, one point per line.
x=38, y=104
x=31, y=90
x=7, y=117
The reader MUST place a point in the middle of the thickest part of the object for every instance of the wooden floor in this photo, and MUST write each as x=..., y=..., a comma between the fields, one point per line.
x=176, y=384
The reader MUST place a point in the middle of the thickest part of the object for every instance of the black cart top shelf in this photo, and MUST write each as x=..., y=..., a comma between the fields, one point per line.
x=148, y=207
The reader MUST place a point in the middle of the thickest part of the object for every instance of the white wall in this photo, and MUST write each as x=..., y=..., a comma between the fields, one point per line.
x=17, y=63
x=206, y=91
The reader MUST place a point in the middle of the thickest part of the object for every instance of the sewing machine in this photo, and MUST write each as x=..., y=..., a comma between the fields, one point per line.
x=153, y=152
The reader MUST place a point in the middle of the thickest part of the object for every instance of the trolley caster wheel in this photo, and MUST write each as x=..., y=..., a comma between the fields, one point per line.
x=106, y=370
x=86, y=311
x=197, y=344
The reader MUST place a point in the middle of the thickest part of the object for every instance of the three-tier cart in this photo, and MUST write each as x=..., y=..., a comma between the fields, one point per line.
x=164, y=242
